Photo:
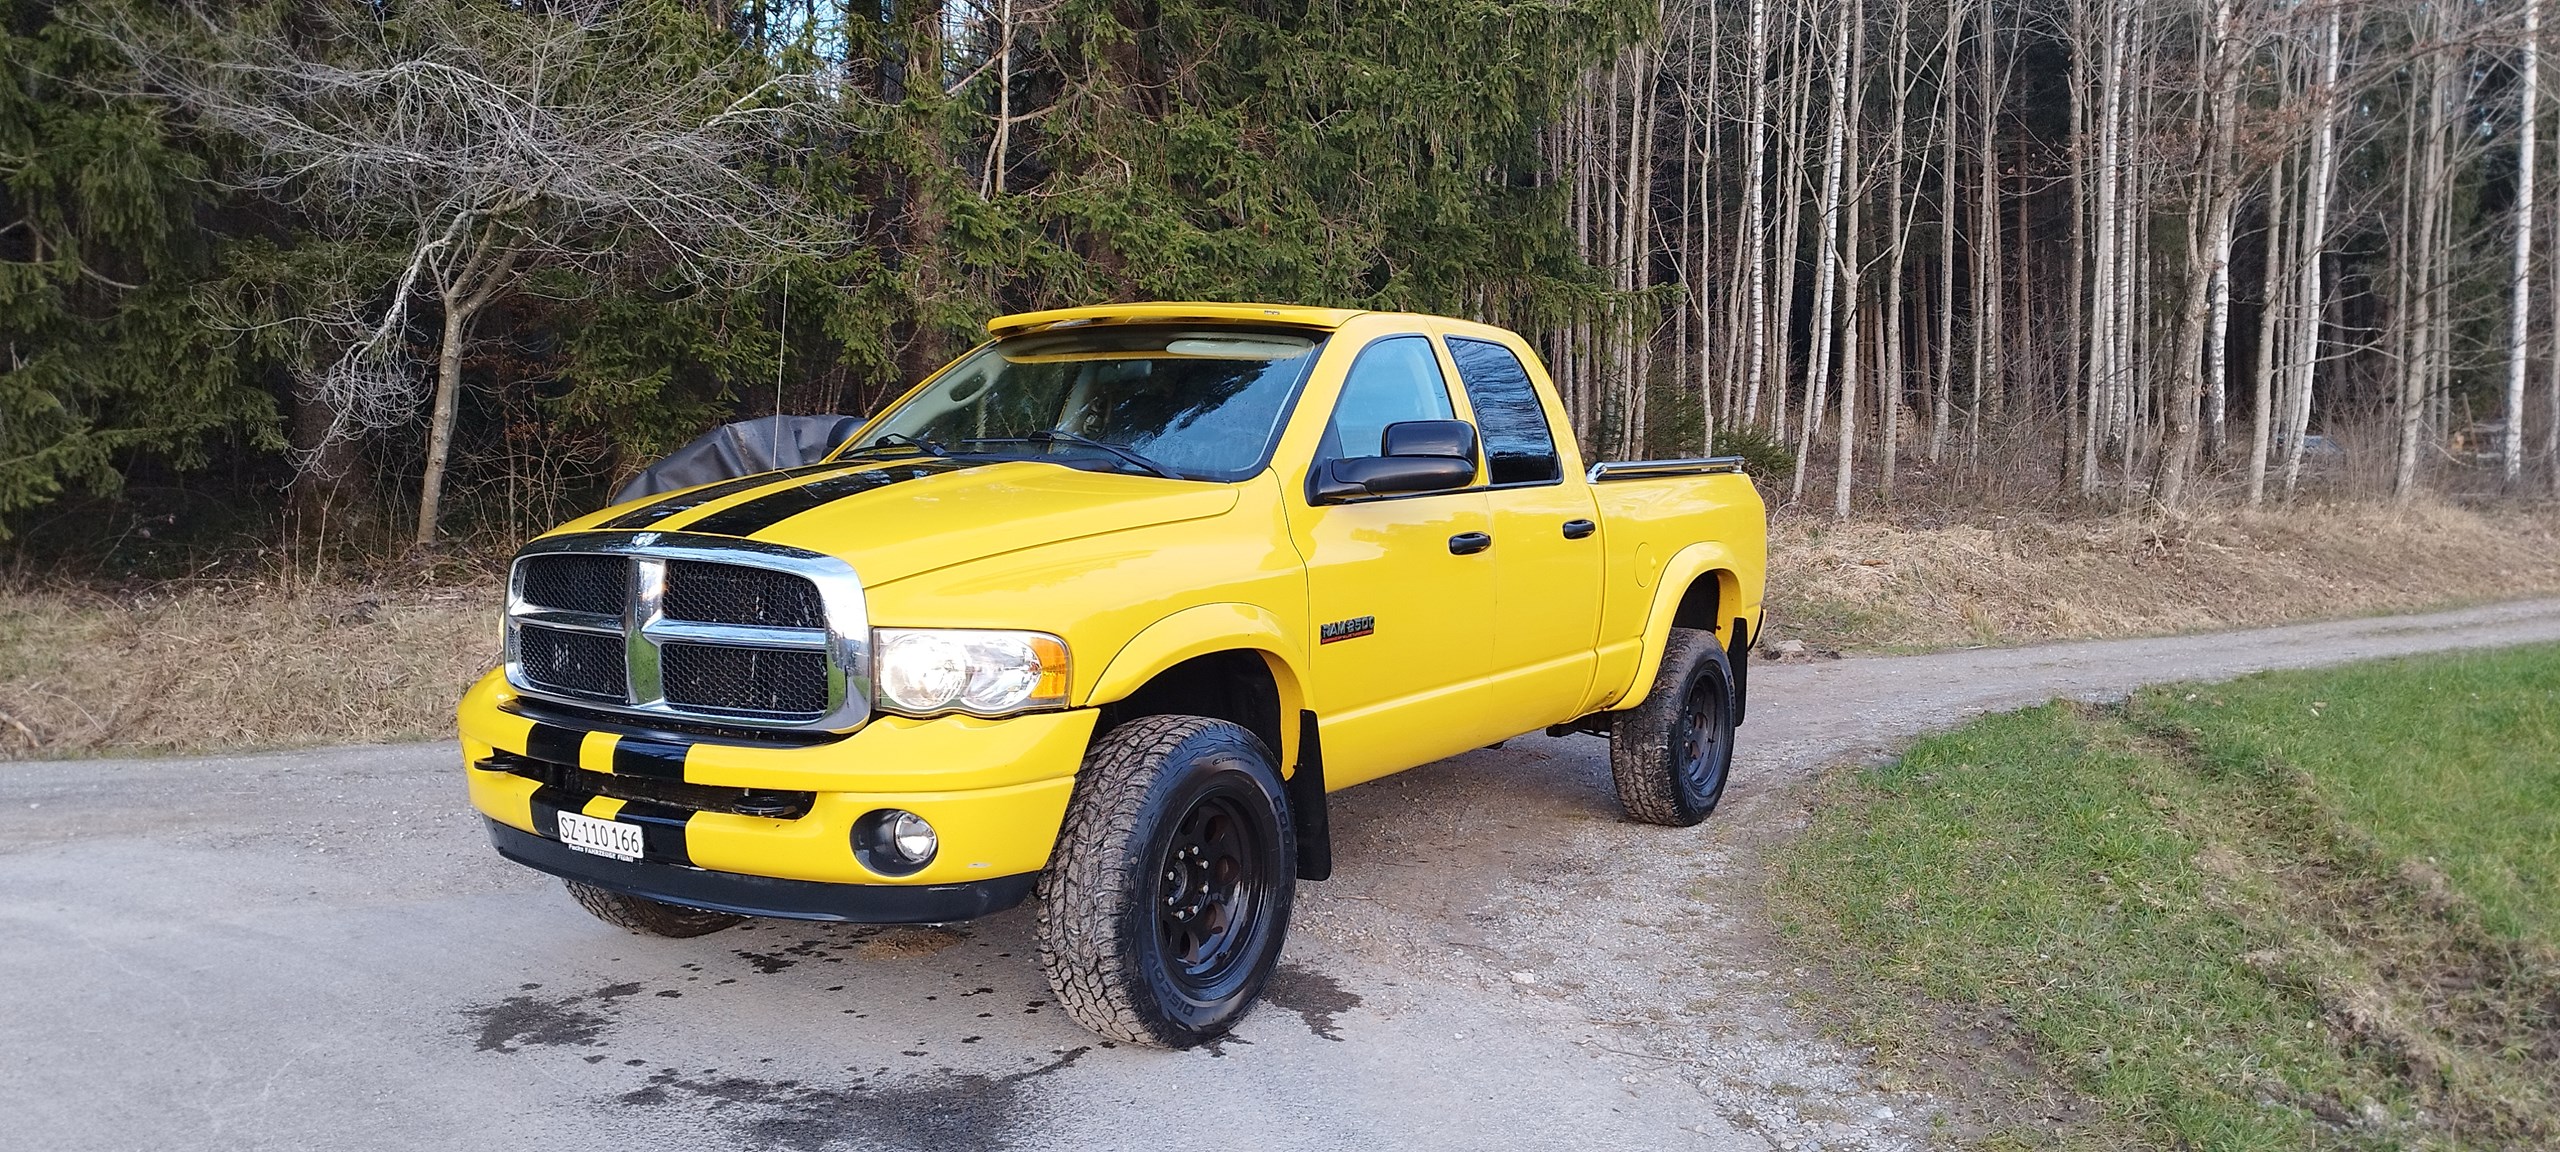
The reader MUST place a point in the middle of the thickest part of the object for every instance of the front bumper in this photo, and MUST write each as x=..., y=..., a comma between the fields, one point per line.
x=766, y=895
x=995, y=792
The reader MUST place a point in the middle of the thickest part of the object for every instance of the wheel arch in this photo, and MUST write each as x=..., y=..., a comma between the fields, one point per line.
x=1234, y=662
x=1701, y=587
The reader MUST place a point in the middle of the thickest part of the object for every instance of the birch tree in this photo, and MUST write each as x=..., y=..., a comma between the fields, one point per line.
x=2520, y=282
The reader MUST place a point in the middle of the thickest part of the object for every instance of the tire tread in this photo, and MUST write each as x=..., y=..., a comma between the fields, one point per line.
x=1640, y=737
x=1084, y=892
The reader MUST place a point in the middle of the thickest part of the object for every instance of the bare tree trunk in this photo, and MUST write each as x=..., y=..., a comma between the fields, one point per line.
x=1755, y=224
x=440, y=419
x=2520, y=291
x=1845, y=474
x=2417, y=374
x=1791, y=227
x=2551, y=370
x=1889, y=374
x=1643, y=130
x=481, y=275
x=2205, y=267
x=2270, y=327
x=1990, y=385
x=1942, y=403
x=1826, y=265
x=2324, y=162
x=1851, y=272
x=991, y=184
x=2106, y=312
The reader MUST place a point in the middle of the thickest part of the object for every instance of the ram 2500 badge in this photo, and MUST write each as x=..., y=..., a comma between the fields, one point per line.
x=1100, y=613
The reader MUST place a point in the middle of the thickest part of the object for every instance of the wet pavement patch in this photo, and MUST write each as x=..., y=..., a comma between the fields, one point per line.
x=520, y=1022
x=934, y=1111
x=524, y=1021
x=1314, y=996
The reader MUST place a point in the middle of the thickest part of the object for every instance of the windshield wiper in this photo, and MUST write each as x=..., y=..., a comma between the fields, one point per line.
x=1062, y=436
x=927, y=445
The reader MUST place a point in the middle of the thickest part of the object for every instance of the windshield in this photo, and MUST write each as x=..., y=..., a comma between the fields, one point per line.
x=1201, y=404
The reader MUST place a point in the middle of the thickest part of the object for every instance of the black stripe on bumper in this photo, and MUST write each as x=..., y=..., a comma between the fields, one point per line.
x=766, y=895
x=553, y=743
x=642, y=756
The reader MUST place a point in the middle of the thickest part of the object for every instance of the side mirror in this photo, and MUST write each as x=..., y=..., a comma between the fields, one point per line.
x=1421, y=456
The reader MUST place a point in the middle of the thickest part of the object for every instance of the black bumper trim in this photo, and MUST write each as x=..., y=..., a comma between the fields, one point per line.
x=766, y=895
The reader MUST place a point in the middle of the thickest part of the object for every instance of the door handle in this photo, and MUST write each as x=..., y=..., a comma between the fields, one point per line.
x=1577, y=529
x=1470, y=543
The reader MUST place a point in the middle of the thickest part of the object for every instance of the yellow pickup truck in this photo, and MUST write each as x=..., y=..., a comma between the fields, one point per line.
x=1102, y=611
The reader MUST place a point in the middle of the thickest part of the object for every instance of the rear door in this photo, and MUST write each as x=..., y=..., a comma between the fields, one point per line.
x=1398, y=615
x=1546, y=550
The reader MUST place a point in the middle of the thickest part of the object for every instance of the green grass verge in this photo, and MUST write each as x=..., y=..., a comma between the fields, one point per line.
x=2300, y=910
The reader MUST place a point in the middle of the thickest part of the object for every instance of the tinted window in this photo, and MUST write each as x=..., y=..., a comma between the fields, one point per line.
x=1518, y=446
x=1395, y=380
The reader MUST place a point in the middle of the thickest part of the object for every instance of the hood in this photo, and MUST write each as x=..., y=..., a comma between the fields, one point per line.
x=897, y=519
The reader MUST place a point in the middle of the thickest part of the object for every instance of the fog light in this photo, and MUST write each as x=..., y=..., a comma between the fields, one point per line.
x=894, y=842
x=912, y=837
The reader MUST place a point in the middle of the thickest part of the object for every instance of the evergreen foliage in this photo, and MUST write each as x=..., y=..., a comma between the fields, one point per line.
x=1362, y=153
x=108, y=240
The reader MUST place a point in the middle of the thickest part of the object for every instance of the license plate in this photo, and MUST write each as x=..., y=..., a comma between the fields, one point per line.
x=602, y=837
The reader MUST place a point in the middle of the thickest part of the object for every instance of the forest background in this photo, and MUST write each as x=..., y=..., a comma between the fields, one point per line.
x=317, y=274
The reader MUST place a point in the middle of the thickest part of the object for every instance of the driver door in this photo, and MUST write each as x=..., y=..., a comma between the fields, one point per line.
x=1396, y=597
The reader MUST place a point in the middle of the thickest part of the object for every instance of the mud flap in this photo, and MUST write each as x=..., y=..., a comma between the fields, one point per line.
x=1307, y=804
x=1738, y=654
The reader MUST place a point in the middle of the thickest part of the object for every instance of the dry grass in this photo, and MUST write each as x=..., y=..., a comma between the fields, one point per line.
x=198, y=668
x=1883, y=586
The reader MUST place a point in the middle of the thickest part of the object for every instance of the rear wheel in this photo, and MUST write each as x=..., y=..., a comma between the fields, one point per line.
x=645, y=916
x=1165, y=904
x=1671, y=754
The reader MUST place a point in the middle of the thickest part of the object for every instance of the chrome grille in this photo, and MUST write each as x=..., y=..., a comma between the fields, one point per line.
x=744, y=680
x=729, y=594
x=691, y=627
x=581, y=664
x=598, y=584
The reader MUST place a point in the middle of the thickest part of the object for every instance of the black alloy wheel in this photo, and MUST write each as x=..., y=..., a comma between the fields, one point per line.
x=1167, y=898
x=1702, y=740
x=1215, y=894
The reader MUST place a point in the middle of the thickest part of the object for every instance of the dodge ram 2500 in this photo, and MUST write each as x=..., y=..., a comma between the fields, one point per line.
x=1101, y=612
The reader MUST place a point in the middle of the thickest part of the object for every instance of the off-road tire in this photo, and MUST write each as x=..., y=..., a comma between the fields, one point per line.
x=645, y=916
x=1662, y=776
x=1146, y=788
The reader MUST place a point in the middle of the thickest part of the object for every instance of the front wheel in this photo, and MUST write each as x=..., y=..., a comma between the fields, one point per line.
x=1671, y=753
x=1165, y=904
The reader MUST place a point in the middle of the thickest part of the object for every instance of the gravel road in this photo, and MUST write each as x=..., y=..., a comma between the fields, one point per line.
x=318, y=950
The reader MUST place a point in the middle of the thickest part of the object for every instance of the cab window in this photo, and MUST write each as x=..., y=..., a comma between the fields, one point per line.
x=1519, y=447
x=1394, y=380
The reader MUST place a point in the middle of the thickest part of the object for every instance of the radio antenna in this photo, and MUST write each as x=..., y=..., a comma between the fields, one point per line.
x=781, y=348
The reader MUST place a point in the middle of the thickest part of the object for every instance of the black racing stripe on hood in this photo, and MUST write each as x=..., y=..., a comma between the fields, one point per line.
x=775, y=507
x=648, y=514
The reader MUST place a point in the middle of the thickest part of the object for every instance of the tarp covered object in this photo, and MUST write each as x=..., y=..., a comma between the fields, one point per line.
x=742, y=449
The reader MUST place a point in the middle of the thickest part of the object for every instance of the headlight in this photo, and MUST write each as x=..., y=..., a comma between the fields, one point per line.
x=927, y=671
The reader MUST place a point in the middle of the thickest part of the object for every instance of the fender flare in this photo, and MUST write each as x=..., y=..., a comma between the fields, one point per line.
x=1682, y=570
x=1198, y=631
